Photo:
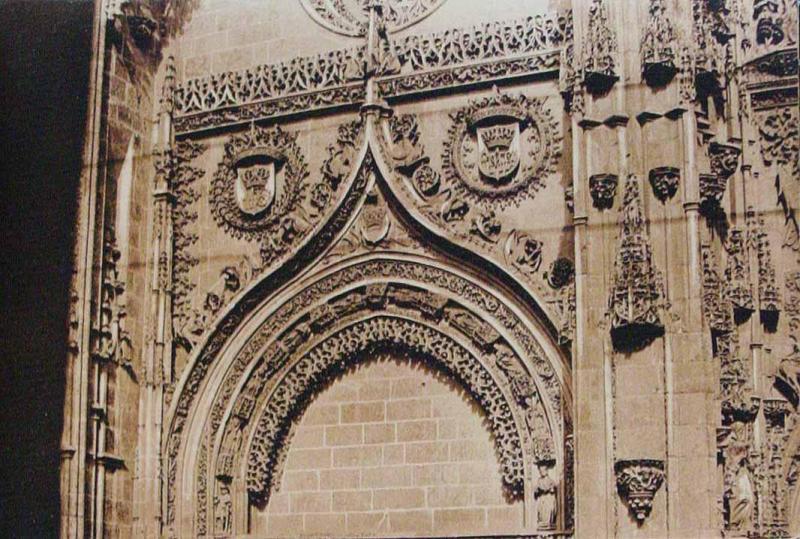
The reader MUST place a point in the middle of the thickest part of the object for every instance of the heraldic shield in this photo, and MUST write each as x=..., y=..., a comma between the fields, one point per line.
x=499, y=152
x=255, y=187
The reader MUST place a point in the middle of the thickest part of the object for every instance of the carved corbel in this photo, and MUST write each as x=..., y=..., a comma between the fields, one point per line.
x=664, y=181
x=638, y=481
x=603, y=188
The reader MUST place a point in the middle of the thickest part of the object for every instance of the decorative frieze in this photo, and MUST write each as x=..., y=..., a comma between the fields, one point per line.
x=183, y=178
x=637, y=482
x=636, y=298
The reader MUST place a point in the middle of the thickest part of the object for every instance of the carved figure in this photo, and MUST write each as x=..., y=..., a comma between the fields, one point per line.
x=546, y=501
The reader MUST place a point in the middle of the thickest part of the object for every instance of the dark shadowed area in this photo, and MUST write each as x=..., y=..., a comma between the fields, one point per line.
x=44, y=62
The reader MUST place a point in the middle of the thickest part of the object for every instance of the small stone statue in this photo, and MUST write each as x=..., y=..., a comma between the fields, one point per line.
x=741, y=501
x=546, y=503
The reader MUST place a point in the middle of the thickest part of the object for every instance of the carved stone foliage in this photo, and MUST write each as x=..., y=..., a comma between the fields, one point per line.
x=491, y=41
x=500, y=149
x=788, y=377
x=664, y=181
x=359, y=340
x=637, y=482
x=659, y=47
x=523, y=251
x=259, y=190
x=219, y=334
x=768, y=295
x=735, y=383
x=202, y=312
x=296, y=330
x=737, y=273
x=301, y=74
x=777, y=460
x=780, y=144
x=351, y=17
x=636, y=298
x=717, y=307
x=599, y=50
x=444, y=59
x=712, y=51
x=183, y=181
x=603, y=188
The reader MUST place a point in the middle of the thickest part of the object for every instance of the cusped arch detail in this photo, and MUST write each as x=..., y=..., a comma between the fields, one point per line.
x=349, y=346
x=532, y=377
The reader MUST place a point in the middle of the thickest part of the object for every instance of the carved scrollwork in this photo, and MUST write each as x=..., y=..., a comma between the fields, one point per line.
x=637, y=482
x=664, y=181
x=603, y=188
x=757, y=240
x=500, y=148
x=636, y=298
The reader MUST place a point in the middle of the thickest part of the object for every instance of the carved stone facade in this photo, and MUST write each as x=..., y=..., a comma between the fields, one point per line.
x=438, y=268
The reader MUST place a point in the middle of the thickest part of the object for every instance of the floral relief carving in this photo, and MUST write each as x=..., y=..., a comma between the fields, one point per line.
x=183, y=181
x=637, y=482
x=717, y=307
x=561, y=277
x=757, y=240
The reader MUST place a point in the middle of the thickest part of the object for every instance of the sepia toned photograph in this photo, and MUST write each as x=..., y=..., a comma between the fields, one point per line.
x=400, y=269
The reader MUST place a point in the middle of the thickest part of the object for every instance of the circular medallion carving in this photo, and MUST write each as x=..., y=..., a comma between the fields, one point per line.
x=500, y=148
x=260, y=179
x=351, y=17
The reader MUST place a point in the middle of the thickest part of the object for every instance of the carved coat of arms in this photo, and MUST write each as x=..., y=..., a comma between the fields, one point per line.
x=255, y=187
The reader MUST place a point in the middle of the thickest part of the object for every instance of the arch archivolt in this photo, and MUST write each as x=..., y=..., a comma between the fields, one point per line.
x=414, y=305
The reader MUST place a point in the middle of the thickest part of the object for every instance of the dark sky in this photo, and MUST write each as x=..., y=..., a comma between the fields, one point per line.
x=44, y=67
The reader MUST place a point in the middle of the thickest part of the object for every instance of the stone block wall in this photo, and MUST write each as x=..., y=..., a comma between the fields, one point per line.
x=390, y=449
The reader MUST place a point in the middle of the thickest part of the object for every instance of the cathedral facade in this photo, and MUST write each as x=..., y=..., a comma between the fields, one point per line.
x=437, y=268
